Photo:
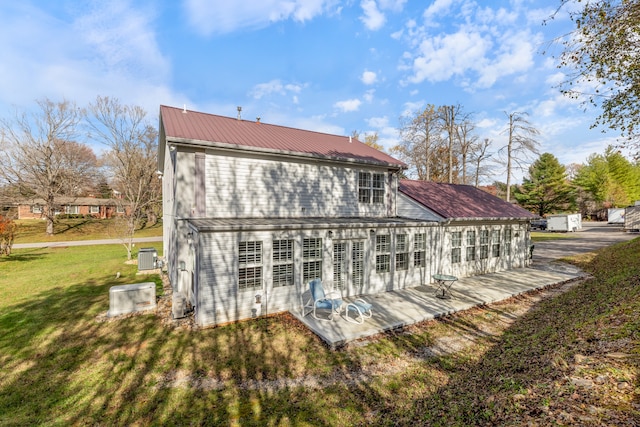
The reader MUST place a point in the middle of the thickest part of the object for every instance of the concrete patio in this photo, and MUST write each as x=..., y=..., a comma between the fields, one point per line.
x=396, y=309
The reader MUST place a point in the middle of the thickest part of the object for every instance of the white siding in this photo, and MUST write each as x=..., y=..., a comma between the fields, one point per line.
x=243, y=187
x=408, y=208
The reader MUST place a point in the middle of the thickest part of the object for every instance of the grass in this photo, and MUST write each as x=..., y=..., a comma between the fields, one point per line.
x=33, y=231
x=61, y=364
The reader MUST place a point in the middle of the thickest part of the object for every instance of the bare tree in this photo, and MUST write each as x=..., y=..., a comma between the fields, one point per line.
x=370, y=139
x=451, y=116
x=520, y=144
x=467, y=143
x=420, y=135
x=131, y=158
x=479, y=156
x=40, y=157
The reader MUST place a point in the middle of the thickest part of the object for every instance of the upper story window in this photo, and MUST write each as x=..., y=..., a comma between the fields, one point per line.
x=370, y=187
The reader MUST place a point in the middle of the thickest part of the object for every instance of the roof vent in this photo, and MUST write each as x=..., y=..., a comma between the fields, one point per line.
x=239, y=113
x=258, y=119
x=184, y=109
x=350, y=139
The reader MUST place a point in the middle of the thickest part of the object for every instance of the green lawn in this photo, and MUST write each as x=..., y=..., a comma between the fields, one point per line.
x=61, y=364
x=32, y=231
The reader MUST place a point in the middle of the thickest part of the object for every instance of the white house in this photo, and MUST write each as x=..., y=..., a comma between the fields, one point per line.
x=253, y=212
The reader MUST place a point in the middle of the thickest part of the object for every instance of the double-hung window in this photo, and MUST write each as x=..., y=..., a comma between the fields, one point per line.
x=282, y=263
x=383, y=253
x=370, y=187
x=311, y=259
x=484, y=244
x=250, y=265
x=419, y=245
x=495, y=243
x=402, y=253
x=507, y=241
x=456, y=246
x=471, y=245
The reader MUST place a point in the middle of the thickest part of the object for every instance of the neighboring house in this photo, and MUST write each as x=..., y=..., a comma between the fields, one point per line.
x=253, y=212
x=86, y=206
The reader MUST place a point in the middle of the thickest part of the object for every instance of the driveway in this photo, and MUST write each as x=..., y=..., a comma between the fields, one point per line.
x=593, y=236
x=84, y=243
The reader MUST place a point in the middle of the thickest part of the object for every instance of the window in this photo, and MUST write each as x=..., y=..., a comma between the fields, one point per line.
x=94, y=209
x=357, y=264
x=36, y=209
x=507, y=241
x=456, y=243
x=419, y=244
x=471, y=245
x=370, y=187
x=312, y=259
x=72, y=209
x=364, y=187
x=484, y=244
x=120, y=209
x=383, y=253
x=250, y=265
x=495, y=243
x=402, y=254
x=282, y=263
x=378, y=188
x=339, y=265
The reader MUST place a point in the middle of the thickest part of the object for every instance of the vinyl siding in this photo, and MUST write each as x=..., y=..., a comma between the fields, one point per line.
x=241, y=187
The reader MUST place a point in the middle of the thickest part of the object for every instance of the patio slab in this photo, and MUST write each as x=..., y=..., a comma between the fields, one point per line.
x=399, y=308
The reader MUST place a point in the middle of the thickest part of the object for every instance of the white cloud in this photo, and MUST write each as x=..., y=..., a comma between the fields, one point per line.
x=274, y=87
x=107, y=49
x=223, y=16
x=378, y=122
x=368, y=95
x=368, y=77
x=373, y=19
x=348, y=105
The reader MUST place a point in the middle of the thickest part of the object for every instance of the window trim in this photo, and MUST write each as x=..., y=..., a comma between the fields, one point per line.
x=250, y=265
x=383, y=253
x=282, y=259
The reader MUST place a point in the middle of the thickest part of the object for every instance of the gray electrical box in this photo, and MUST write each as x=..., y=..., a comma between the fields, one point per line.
x=147, y=258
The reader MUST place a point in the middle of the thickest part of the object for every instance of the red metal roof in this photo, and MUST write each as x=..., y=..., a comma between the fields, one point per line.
x=460, y=201
x=210, y=129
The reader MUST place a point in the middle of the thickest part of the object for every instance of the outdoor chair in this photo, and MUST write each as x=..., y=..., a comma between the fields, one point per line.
x=361, y=310
x=319, y=299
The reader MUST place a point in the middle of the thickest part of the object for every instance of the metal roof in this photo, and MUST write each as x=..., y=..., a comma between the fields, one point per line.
x=192, y=127
x=457, y=201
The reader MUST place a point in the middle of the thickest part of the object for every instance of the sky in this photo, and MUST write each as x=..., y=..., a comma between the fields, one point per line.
x=324, y=65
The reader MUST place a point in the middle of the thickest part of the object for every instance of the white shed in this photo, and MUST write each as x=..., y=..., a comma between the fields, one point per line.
x=632, y=218
x=615, y=216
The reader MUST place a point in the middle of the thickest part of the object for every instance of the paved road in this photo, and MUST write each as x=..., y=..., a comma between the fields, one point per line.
x=84, y=243
x=593, y=236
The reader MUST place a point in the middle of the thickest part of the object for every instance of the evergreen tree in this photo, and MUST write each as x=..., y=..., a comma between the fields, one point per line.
x=547, y=189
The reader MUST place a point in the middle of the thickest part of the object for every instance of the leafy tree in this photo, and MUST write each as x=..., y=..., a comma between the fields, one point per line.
x=601, y=56
x=521, y=143
x=40, y=157
x=131, y=158
x=610, y=179
x=370, y=139
x=547, y=189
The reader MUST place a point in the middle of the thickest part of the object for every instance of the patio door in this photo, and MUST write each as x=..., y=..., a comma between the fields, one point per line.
x=348, y=267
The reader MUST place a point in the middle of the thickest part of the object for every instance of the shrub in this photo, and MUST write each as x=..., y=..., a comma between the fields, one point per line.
x=7, y=233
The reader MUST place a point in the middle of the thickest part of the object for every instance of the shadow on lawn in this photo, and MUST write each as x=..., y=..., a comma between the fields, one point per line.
x=60, y=365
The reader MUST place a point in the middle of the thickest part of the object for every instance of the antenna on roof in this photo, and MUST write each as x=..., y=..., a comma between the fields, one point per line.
x=239, y=111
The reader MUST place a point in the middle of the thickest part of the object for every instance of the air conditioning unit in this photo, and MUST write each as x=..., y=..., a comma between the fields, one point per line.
x=147, y=258
x=178, y=306
x=124, y=299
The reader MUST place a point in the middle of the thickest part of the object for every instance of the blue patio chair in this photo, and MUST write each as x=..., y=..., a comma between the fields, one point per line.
x=331, y=301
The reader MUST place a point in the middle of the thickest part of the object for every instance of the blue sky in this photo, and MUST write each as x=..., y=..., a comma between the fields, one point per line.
x=326, y=65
